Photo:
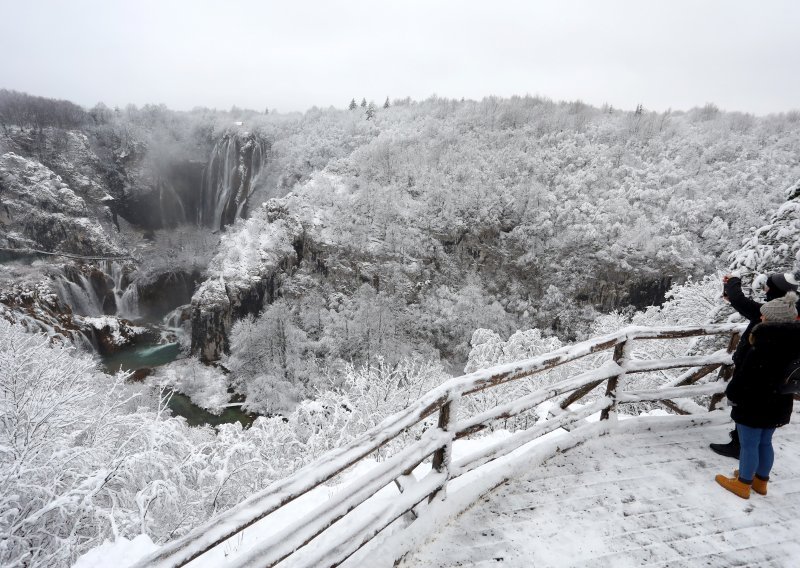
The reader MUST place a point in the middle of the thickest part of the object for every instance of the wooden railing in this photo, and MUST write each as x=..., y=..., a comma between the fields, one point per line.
x=437, y=442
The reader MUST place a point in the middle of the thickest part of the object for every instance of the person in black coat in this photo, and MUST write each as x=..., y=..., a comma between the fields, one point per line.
x=777, y=286
x=758, y=408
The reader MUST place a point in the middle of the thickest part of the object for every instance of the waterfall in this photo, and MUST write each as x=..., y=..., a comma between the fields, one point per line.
x=256, y=161
x=128, y=302
x=80, y=296
x=178, y=323
x=174, y=203
x=76, y=290
x=228, y=180
x=175, y=319
x=231, y=173
x=126, y=298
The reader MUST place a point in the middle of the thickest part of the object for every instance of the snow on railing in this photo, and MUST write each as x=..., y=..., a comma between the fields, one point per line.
x=437, y=442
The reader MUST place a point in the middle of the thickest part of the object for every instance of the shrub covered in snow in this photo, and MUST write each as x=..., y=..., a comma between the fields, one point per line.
x=85, y=457
x=206, y=385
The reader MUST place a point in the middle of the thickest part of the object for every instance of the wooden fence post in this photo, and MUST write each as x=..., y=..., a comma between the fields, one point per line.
x=620, y=357
x=724, y=373
x=443, y=456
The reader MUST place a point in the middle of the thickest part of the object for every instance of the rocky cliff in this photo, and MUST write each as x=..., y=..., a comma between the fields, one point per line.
x=245, y=274
x=110, y=191
x=39, y=210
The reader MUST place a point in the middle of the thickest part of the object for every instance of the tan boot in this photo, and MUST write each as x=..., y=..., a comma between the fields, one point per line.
x=735, y=486
x=759, y=485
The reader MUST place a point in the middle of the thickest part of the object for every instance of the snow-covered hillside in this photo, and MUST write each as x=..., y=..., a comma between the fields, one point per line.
x=376, y=258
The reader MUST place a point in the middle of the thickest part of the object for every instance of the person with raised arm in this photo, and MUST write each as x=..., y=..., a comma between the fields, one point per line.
x=758, y=403
x=776, y=286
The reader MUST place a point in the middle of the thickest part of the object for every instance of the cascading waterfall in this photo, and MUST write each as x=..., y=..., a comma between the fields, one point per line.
x=231, y=175
x=174, y=319
x=256, y=163
x=128, y=302
x=76, y=290
x=126, y=298
x=80, y=296
x=178, y=324
x=34, y=325
x=229, y=178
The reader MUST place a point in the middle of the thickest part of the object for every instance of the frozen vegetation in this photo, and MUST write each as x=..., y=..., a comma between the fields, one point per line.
x=339, y=266
x=499, y=214
x=94, y=461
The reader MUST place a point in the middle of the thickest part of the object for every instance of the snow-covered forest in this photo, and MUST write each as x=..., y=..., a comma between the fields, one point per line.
x=502, y=214
x=327, y=268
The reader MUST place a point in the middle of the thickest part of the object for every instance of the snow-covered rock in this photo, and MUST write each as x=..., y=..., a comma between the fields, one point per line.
x=39, y=211
x=243, y=275
x=111, y=333
x=35, y=306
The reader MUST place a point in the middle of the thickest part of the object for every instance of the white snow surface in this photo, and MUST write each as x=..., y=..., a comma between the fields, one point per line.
x=644, y=495
x=119, y=553
x=629, y=493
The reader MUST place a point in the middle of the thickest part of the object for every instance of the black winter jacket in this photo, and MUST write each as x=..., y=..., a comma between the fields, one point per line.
x=753, y=389
x=747, y=308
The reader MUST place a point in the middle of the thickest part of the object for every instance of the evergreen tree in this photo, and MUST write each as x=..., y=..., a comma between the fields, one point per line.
x=370, y=110
x=386, y=104
x=364, y=103
x=353, y=104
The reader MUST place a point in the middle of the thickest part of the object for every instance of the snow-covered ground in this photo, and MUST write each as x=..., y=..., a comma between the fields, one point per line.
x=643, y=494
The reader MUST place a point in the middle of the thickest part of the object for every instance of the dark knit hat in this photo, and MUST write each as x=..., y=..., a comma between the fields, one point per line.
x=781, y=309
x=786, y=282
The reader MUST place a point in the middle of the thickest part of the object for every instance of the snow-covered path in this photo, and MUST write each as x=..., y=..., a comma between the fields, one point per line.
x=633, y=498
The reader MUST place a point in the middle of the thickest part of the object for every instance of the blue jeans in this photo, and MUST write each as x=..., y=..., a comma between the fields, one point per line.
x=756, y=455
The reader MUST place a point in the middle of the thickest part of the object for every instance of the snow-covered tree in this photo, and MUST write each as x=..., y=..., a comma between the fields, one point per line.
x=267, y=360
x=370, y=112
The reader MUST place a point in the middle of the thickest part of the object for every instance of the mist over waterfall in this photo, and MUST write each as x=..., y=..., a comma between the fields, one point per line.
x=170, y=204
x=229, y=178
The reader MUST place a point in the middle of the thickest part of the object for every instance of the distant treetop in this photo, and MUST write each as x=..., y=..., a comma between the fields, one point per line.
x=40, y=112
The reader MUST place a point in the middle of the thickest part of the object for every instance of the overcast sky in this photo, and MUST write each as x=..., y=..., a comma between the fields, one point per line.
x=740, y=54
